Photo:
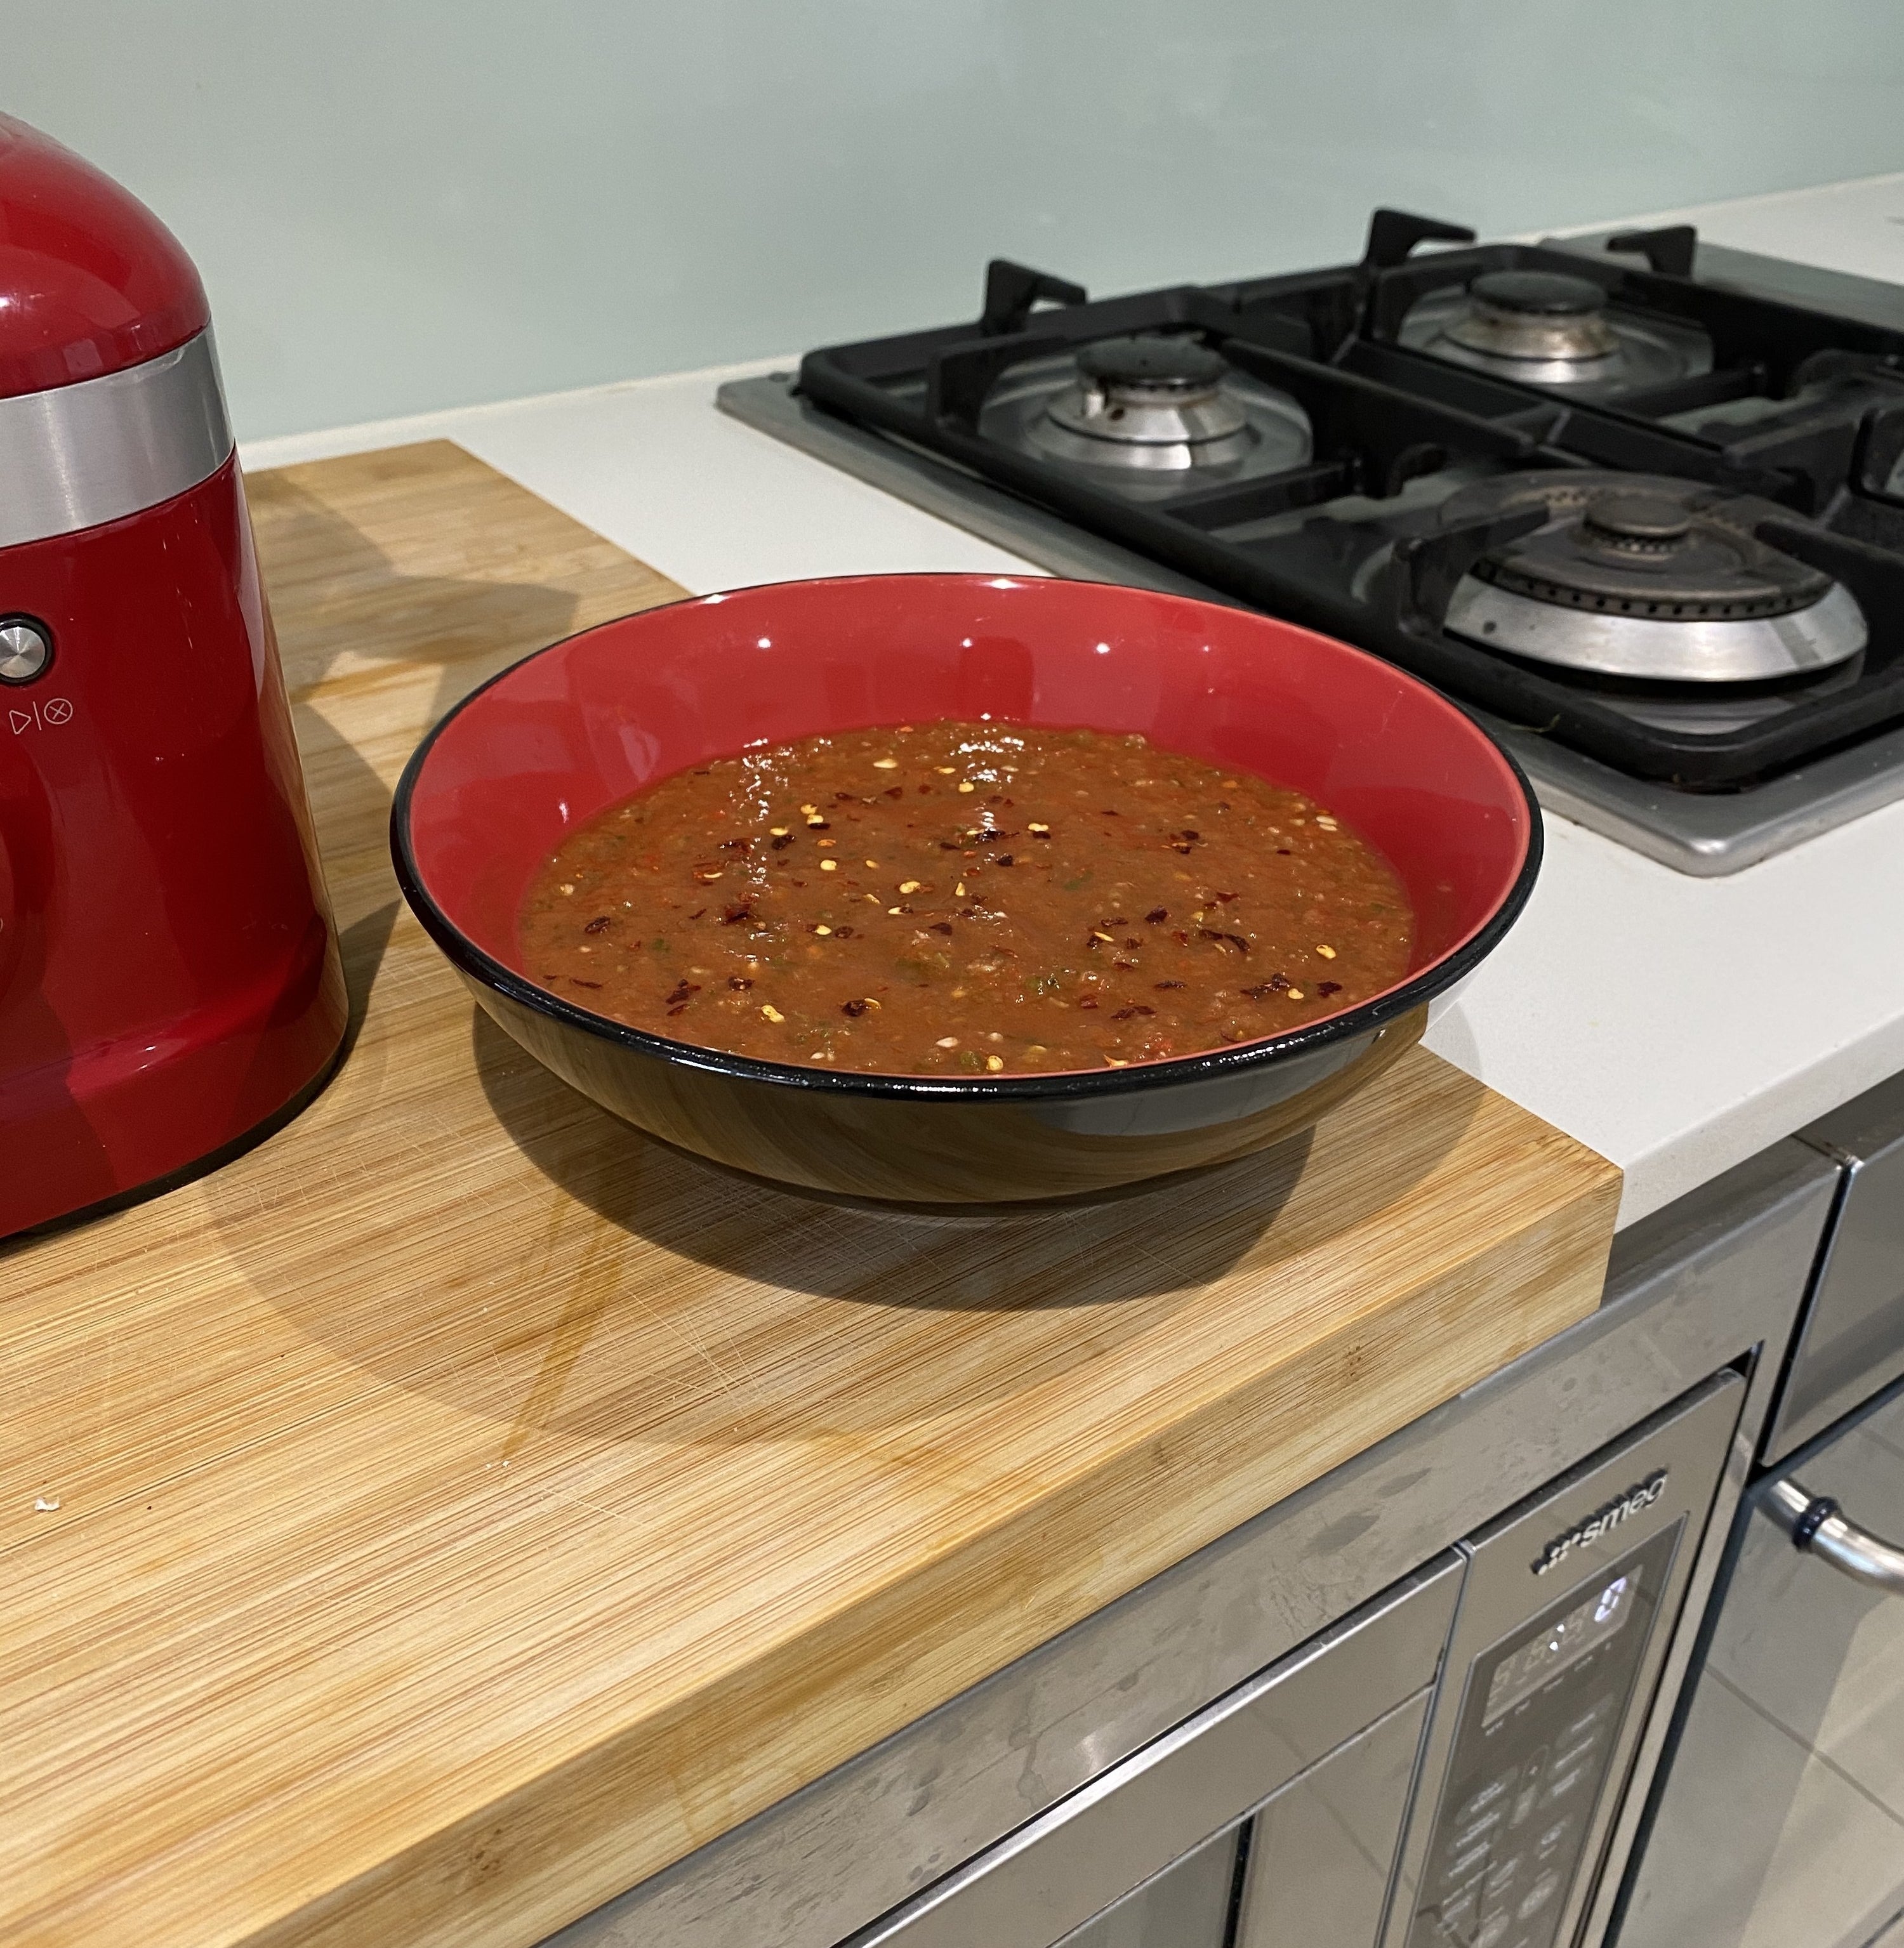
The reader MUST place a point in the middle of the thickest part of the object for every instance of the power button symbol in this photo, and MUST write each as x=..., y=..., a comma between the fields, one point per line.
x=25, y=649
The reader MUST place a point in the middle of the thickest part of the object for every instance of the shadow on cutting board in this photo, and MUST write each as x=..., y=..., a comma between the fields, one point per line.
x=709, y=1310
x=1141, y=1244
x=618, y=1292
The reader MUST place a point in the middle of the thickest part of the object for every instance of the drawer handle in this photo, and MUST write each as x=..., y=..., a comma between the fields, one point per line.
x=1814, y=1524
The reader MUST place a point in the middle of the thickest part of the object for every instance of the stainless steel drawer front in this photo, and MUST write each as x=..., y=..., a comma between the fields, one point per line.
x=1322, y=1852
x=1150, y=1814
x=1851, y=1341
x=1565, y=1617
x=1781, y=1821
x=78, y=456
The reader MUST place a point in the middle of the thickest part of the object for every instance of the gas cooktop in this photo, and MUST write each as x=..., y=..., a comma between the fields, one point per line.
x=1636, y=501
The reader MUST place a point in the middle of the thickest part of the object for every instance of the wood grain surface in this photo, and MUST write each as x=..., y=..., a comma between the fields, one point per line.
x=455, y=1510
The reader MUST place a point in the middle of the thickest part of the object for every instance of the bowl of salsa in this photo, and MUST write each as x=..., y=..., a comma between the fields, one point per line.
x=961, y=889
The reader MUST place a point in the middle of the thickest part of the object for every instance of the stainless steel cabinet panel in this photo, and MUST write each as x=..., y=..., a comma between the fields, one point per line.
x=1781, y=1823
x=1851, y=1340
x=1141, y=1830
x=1187, y=1907
x=1322, y=1852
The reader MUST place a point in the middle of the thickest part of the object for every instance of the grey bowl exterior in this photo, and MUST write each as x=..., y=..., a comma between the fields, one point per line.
x=955, y=1145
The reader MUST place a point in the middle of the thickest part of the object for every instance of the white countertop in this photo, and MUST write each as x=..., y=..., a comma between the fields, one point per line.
x=1675, y=1025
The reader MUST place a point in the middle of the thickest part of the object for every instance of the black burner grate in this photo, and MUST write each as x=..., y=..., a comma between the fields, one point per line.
x=1798, y=406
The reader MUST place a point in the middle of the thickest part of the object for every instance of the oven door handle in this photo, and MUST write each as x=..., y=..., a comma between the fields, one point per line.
x=1814, y=1524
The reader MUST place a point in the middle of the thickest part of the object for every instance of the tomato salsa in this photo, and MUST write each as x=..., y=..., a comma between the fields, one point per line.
x=965, y=898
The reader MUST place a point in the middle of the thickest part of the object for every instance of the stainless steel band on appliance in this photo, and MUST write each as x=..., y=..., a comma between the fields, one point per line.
x=77, y=456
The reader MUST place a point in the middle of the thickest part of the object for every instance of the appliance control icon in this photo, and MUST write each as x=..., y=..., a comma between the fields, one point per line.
x=25, y=649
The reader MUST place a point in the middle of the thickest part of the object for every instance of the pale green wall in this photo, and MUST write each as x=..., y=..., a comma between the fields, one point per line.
x=401, y=204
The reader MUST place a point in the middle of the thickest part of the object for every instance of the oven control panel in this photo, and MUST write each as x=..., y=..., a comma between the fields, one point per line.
x=1568, y=1612
x=1530, y=1761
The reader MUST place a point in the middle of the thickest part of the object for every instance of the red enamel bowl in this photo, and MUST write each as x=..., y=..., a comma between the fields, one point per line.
x=572, y=729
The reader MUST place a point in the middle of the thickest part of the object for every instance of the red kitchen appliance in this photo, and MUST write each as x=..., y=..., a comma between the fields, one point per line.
x=170, y=983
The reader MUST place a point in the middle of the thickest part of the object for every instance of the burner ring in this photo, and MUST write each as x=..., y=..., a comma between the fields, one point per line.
x=1647, y=578
x=1659, y=650
x=1670, y=608
x=1155, y=402
x=1540, y=317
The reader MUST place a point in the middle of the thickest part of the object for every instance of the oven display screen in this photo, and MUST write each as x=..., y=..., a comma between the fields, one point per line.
x=1591, y=1621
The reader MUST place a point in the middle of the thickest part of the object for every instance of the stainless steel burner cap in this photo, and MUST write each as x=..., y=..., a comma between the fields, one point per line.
x=1636, y=522
x=1534, y=315
x=1173, y=365
x=1156, y=402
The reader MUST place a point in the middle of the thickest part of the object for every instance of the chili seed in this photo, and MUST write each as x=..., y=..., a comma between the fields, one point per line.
x=886, y=764
x=1326, y=953
x=968, y=787
x=772, y=1014
x=906, y=885
x=823, y=930
x=994, y=1062
x=946, y=1041
x=829, y=865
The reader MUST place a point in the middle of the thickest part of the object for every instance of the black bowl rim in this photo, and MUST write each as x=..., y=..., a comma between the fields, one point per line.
x=1240, y=1057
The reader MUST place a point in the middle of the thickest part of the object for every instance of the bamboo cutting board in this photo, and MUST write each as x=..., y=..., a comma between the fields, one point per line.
x=465, y=1508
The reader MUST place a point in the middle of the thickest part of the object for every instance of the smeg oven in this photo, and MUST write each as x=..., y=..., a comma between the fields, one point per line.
x=1442, y=1767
